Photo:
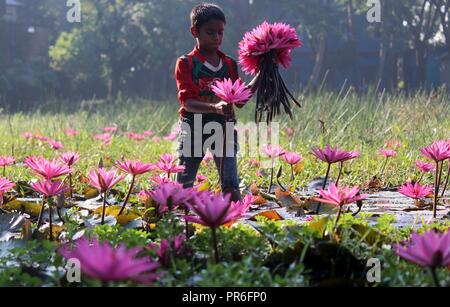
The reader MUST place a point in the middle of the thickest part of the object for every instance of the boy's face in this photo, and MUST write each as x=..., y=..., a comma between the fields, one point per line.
x=210, y=34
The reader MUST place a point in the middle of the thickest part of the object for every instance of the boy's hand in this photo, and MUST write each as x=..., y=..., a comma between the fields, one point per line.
x=223, y=108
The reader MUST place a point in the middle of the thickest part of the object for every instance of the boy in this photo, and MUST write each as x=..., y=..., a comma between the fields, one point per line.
x=194, y=74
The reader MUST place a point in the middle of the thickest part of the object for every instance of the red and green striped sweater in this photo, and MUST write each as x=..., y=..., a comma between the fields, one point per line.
x=194, y=76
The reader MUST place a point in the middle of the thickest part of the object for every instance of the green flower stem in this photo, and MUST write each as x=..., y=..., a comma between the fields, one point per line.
x=323, y=185
x=271, y=177
x=446, y=180
x=50, y=221
x=214, y=242
x=41, y=212
x=128, y=195
x=435, y=278
x=104, y=208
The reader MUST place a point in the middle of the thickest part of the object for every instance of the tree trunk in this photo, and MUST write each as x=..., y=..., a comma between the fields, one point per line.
x=114, y=81
x=314, y=79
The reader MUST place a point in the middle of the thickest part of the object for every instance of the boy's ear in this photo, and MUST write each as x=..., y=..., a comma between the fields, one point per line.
x=194, y=32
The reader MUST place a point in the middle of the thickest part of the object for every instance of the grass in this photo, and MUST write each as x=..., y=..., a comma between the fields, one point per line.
x=345, y=119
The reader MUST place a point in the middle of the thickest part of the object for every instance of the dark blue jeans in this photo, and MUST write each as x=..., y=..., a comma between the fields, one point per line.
x=193, y=138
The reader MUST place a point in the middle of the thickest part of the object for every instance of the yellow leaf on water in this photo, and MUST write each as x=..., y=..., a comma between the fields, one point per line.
x=30, y=208
x=269, y=214
x=90, y=192
x=124, y=219
x=56, y=231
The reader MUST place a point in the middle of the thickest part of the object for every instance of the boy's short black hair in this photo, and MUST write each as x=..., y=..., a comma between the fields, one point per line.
x=204, y=12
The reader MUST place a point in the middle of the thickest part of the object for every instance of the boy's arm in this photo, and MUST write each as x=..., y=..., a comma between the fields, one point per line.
x=196, y=106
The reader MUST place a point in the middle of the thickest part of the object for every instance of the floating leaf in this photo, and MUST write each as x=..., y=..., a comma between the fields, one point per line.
x=30, y=208
x=124, y=219
x=90, y=192
x=269, y=214
x=56, y=231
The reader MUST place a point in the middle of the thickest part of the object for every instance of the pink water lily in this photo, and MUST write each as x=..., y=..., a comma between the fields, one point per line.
x=334, y=155
x=437, y=151
x=104, y=180
x=103, y=262
x=167, y=164
x=71, y=132
x=232, y=92
x=47, y=169
x=160, y=179
x=431, y=250
x=171, y=195
x=133, y=168
x=69, y=158
x=110, y=129
x=135, y=136
x=5, y=161
x=215, y=210
x=339, y=196
x=172, y=247
x=148, y=133
x=415, y=191
x=424, y=167
x=106, y=138
x=273, y=151
x=55, y=144
x=5, y=186
x=292, y=158
x=387, y=153
x=49, y=188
